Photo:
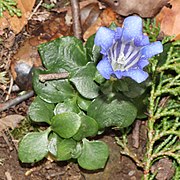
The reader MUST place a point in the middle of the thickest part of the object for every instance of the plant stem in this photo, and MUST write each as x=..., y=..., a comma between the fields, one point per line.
x=151, y=122
x=76, y=19
x=126, y=151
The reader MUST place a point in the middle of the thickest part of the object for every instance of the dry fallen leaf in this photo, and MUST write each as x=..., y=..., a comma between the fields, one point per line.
x=14, y=23
x=105, y=19
x=89, y=14
x=169, y=19
x=10, y=121
x=144, y=8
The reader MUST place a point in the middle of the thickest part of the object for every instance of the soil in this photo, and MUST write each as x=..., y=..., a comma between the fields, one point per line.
x=118, y=167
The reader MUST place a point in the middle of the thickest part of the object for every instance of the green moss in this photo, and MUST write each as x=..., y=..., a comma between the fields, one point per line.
x=24, y=127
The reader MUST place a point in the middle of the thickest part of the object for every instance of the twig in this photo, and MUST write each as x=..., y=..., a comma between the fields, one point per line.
x=15, y=101
x=35, y=9
x=126, y=151
x=7, y=140
x=53, y=76
x=10, y=87
x=76, y=19
x=8, y=175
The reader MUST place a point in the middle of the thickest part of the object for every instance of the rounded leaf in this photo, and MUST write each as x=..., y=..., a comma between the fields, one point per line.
x=68, y=105
x=65, y=149
x=66, y=124
x=41, y=111
x=83, y=80
x=89, y=127
x=94, y=155
x=33, y=147
x=53, y=91
x=63, y=53
x=54, y=139
x=117, y=112
x=83, y=103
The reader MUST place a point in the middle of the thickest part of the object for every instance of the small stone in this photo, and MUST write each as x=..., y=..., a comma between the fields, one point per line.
x=131, y=173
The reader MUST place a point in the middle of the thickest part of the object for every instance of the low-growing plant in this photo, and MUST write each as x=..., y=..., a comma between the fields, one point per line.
x=84, y=89
x=163, y=110
x=10, y=6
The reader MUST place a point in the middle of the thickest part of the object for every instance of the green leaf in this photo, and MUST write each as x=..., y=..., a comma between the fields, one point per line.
x=141, y=103
x=77, y=151
x=94, y=155
x=65, y=149
x=68, y=105
x=41, y=111
x=93, y=51
x=130, y=88
x=54, y=139
x=89, y=127
x=83, y=103
x=63, y=53
x=99, y=78
x=66, y=124
x=115, y=112
x=162, y=57
x=113, y=26
x=33, y=147
x=83, y=80
x=53, y=91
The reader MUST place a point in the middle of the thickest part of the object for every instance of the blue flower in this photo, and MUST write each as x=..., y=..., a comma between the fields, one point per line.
x=126, y=50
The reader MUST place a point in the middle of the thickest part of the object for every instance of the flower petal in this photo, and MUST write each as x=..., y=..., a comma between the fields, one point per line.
x=104, y=68
x=142, y=63
x=104, y=38
x=137, y=74
x=118, y=33
x=132, y=29
x=142, y=42
x=118, y=74
x=152, y=49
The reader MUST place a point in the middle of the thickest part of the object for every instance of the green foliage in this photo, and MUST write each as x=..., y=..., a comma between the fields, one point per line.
x=83, y=80
x=84, y=130
x=52, y=91
x=66, y=53
x=163, y=112
x=24, y=127
x=34, y=146
x=114, y=112
x=78, y=107
x=151, y=29
x=41, y=111
x=66, y=124
x=164, y=107
x=10, y=6
x=88, y=159
x=48, y=6
x=65, y=149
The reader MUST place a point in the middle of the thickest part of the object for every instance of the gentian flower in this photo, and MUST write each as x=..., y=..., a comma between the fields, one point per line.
x=125, y=50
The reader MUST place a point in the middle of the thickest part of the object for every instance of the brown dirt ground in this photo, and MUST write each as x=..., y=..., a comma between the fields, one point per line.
x=118, y=167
